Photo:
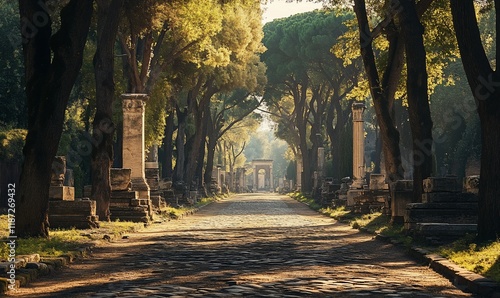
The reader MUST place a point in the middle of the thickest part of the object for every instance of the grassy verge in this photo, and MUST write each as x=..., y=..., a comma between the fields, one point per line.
x=483, y=258
x=64, y=242
x=480, y=258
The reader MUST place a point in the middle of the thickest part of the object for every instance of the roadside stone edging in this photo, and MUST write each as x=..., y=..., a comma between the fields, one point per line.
x=30, y=267
x=463, y=279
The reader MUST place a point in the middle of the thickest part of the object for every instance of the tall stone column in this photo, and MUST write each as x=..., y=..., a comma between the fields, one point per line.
x=255, y=179
x=271, y=184
x=299, y=173
x=358, y=145
x=133, y=141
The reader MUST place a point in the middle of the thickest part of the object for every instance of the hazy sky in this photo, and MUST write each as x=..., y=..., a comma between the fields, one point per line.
x=281, y=9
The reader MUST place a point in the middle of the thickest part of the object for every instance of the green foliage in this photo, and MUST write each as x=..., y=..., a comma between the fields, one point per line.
x=12, y=143
x=13, y=111
x=156, y=114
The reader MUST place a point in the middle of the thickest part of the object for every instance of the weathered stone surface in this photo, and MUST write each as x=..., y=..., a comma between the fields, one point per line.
x=63, y=193
x=377, y=182
x=417, y=213
x=158, y=202
x=165, y=184
x=449, y=197
x=58, y=171
x=441, y=184
x=471, y=184
x=120, y=179
x=402, y=185
x=401, y=195
x=444, y=229
x=444, y=206
x=133, y=140
x=72, y=207
x=124, y=194
x=76, y=221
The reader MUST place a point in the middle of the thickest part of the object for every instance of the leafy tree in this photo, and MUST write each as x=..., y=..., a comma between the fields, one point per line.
x=52, y=63
x=401, y=25
x=108, y=17
x=301, y=87
x=12, y=97
x=12, y=142
x=483, y=82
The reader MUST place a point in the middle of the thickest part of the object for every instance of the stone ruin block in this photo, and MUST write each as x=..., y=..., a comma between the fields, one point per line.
x=57, y=190
x=158, y=202
x=120, y=179
x=377, y=182
x=401, y=195
x=58, y=171
x=471, y=184
x=62, y=193
x=448, y=197
x=165, y=184
x=402, y=185
x=153, y=178
x=67, y=214
x=441, y=184
x=465, y=213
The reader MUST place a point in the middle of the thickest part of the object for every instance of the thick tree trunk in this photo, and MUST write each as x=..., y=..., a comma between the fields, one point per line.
x=168, y=148
x=382, y=93
x=212, y=143
x=50, y=76
x=180, y=145
x=108, y=15
x=483, y=82
x=418, y=103
x=199, y=135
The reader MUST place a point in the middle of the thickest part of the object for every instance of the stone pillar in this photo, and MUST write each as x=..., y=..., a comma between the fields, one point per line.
x=358, y=145
x=255, y=179
x=133, y=141
x=299, y=173
x=271, y=184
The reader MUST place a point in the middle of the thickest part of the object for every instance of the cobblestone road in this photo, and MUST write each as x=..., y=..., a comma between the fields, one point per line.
x=256, y=245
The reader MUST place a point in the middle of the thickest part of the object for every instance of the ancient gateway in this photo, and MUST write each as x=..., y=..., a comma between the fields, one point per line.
x=262, y=175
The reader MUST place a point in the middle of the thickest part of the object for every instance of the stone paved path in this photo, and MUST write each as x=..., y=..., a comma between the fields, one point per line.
x=256, y=245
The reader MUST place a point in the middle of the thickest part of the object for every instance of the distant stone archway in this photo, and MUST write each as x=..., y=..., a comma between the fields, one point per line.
x=266, y=166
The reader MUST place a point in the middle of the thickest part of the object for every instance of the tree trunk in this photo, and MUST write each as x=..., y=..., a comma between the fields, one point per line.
x=199, y=135
x=50, y=77
x=108, y=15
x=180, y=144
x=382, y=93
x=483, y=82
x=418, y=103
x=168, y=148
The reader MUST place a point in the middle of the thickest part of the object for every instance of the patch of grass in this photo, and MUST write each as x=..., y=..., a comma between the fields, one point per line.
x=118, y=228
x=482, y=258
x=338, y=213
x=63, y=242
x=306, y=200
